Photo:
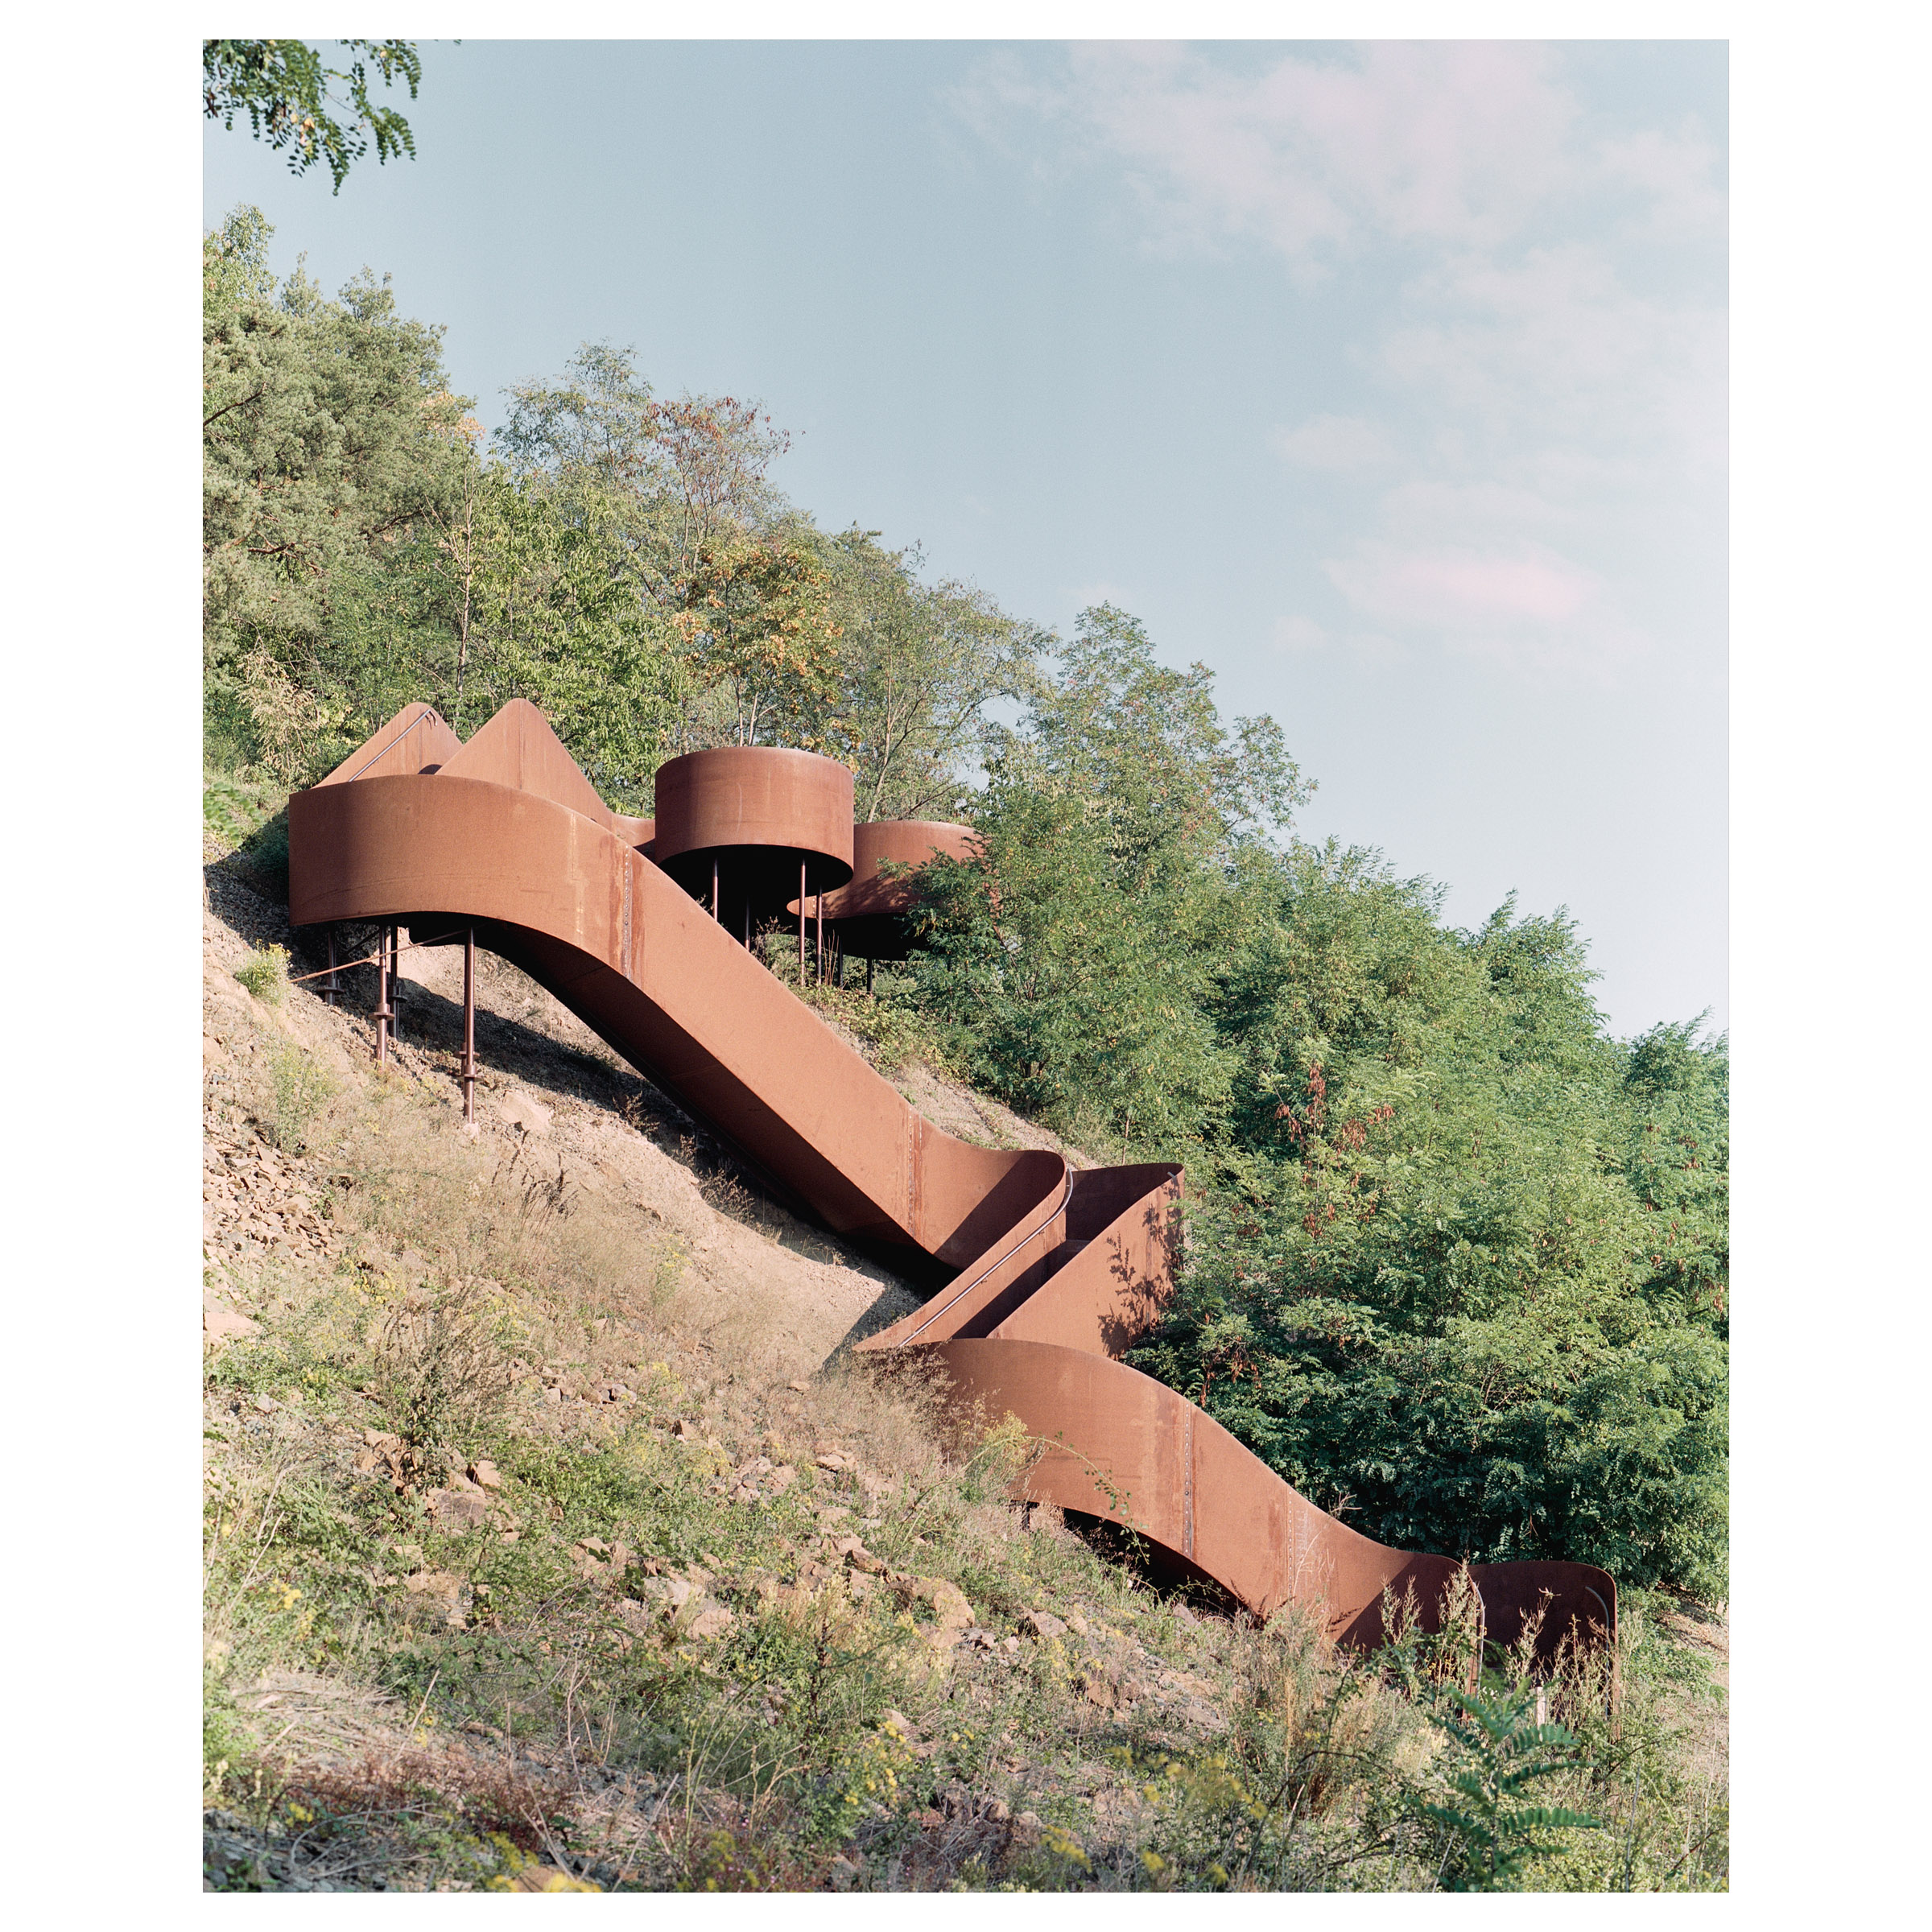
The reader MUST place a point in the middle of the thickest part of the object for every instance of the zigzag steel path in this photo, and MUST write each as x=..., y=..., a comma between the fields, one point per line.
x=1055, y=1271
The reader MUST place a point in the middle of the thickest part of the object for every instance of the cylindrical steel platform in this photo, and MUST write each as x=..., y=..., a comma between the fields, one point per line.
x=749, y=817
x=868, y=916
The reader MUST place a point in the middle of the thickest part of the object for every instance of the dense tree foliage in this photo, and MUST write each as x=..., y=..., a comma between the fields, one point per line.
x=1466, y=1265
x=1457, y=1261
x=328, y=435
x=620, y=559
x=919, y=664
x=1081, y=985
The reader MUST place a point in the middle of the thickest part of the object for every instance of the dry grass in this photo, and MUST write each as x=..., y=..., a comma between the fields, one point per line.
x=620, y=1330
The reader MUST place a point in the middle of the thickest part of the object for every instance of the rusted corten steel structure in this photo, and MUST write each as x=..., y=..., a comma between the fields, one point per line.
x=867, y=917
x=1050, y=1272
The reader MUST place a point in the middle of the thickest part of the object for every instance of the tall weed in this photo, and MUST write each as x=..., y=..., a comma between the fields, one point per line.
x=443, y=1366
x=302, y=1090
x=1503, y=1750
x=265, y=973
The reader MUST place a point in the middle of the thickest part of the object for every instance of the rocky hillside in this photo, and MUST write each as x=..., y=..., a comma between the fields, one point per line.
x=553, y=1541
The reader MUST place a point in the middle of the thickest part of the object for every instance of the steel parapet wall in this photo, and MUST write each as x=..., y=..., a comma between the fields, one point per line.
x=1055, y=1271
x=868, y=915
x=761, y=813
x=414, y=740
x=1115, y=1444
x=647, y=968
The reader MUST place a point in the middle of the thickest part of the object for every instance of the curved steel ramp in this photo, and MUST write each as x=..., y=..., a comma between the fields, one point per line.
x=1054, y=1271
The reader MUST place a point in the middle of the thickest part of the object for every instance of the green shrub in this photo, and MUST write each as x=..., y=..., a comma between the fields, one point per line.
x=265, y=973
x=896, y=1032
x=1504, y=1751
x=443, y=1366
x=302, y=1090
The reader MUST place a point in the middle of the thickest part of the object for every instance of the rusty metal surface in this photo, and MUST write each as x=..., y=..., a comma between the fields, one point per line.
x=640, y=835
x=1125, y=1448
x=1053, y=1271
x=767, y=811
x=414, y=740
x=866, y=916
x=517, y=748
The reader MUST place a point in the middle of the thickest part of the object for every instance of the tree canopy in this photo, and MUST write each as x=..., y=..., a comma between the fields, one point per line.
x=328, y=435
x=621, y=559
x=1457, y=1261
x=292, y=103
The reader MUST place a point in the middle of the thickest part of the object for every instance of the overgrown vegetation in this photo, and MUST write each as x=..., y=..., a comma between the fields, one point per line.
x=1505, y=1751
x=1457, y=1262
x=301, y=1090
x=265, y=973
x=480, y=1482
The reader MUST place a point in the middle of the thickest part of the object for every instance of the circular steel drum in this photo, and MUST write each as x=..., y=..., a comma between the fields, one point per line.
x=868, y=914
x=756, y=813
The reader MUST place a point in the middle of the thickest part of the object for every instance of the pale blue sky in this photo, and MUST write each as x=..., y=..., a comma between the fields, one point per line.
x=1389, y=381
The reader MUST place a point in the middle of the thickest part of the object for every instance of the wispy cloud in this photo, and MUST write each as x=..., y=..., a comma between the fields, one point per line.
x=1327, y=441
x=1540, y=396
x=1298, y=632
x=1463, y=588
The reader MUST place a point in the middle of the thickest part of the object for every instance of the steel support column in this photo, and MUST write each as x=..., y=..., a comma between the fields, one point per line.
x=469, y=1024
x=382, y=1014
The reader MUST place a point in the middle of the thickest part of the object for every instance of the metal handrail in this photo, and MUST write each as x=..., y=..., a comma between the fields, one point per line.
x=429, y=712
x=994, y=1266
x=375, y=959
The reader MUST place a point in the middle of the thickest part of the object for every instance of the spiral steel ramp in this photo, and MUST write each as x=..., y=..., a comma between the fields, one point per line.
x=1050, y=1273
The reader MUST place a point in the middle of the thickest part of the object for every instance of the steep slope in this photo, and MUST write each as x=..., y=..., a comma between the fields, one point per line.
x=1054, y=1272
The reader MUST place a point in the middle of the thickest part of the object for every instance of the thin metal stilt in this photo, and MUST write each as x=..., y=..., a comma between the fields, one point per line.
x=469, y=1024
x=382, y=1015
